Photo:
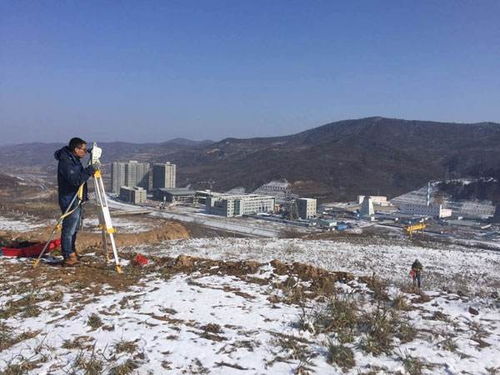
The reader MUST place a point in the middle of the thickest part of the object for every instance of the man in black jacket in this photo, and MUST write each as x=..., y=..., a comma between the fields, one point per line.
x=70, y=176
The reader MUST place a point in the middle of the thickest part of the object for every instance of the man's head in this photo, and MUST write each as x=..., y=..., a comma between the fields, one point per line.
x=78, y=147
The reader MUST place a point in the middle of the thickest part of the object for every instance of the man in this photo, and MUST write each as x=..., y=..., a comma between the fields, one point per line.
x=416, y=273
x=70, y=176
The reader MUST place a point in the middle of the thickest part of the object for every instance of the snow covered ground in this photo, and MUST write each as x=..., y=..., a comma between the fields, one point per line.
x=233, y=309
x=20, y=224
x=446, y=266
x=122, y=225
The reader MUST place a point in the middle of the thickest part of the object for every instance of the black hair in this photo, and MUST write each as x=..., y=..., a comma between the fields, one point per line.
x=75, y=143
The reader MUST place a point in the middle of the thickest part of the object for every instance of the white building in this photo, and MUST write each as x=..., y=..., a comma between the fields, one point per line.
x=425, y=210
x=376, y=199
x=280, y=190
x=465, y=208
x=135, y=195
x=238, y=205
x=306, y=207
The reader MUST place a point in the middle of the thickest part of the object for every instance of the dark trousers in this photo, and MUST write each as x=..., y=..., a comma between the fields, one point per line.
x=417, y=279
x=70, y=226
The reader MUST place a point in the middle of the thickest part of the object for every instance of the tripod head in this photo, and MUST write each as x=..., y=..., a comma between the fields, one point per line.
x=95, y=154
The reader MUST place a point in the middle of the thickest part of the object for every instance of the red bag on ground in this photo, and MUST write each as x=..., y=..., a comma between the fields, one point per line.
x=33, y=250
x=141, y=260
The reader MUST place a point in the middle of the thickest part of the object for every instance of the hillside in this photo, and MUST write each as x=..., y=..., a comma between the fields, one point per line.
x=342, y=159
x=228, y=308
x=336, y=161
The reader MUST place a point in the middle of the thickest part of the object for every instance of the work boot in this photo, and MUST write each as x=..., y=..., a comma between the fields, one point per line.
x=70, y=261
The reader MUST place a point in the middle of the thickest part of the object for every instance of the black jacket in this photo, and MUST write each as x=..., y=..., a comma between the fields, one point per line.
x=70, y=175
x=417, y=266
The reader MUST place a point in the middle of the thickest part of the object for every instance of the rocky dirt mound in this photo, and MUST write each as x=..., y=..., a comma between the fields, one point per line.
x=163, y=230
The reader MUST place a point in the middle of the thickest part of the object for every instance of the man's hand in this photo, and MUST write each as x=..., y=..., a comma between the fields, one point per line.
x=91, y=169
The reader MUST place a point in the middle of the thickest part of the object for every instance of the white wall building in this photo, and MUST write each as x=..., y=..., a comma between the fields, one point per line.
x=306, y=207
x=376, y=199
x=424, y=210
x=239, y=205
x=135, y=195
x=280, y=190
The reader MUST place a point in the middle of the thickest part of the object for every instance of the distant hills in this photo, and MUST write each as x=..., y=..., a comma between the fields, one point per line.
x=338, y=160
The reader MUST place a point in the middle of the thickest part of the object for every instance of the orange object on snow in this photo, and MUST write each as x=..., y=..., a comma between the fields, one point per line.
x=32, y=250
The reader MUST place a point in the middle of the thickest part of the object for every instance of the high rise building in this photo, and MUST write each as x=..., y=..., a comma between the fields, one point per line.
x=164, y=175
x=129, y=174
x=117, y=176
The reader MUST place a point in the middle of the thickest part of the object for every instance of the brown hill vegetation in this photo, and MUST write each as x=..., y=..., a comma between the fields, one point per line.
x=339, y=160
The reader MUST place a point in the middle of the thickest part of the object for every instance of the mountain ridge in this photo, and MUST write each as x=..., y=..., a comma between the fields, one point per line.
x=338, y=160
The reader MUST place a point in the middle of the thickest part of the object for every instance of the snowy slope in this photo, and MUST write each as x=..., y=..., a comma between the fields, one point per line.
x=183, y=315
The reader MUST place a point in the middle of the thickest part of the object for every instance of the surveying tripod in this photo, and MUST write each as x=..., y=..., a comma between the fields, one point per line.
x=104, y=216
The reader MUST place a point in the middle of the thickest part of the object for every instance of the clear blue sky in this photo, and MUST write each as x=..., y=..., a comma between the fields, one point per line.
x=142, y=71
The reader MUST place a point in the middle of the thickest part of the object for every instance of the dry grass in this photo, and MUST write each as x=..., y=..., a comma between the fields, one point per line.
x=8, y=338
x=380, y=329
x=90, y=365
x=27, y=306
x=413, y=365
x=479, y=334
x=339, y=316
x=292, y=348
x=341, y=355
x=400, y=302
x=449, y=344
x=406, y=332
x=80, y=342
x=22, y=367
x=438, y=315
x=378, y=287
x=126, y=346
x=125, y=368
x=94, y=321
x=212, y=327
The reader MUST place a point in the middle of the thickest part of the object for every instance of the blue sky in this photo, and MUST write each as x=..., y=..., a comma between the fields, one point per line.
x=141, y=71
